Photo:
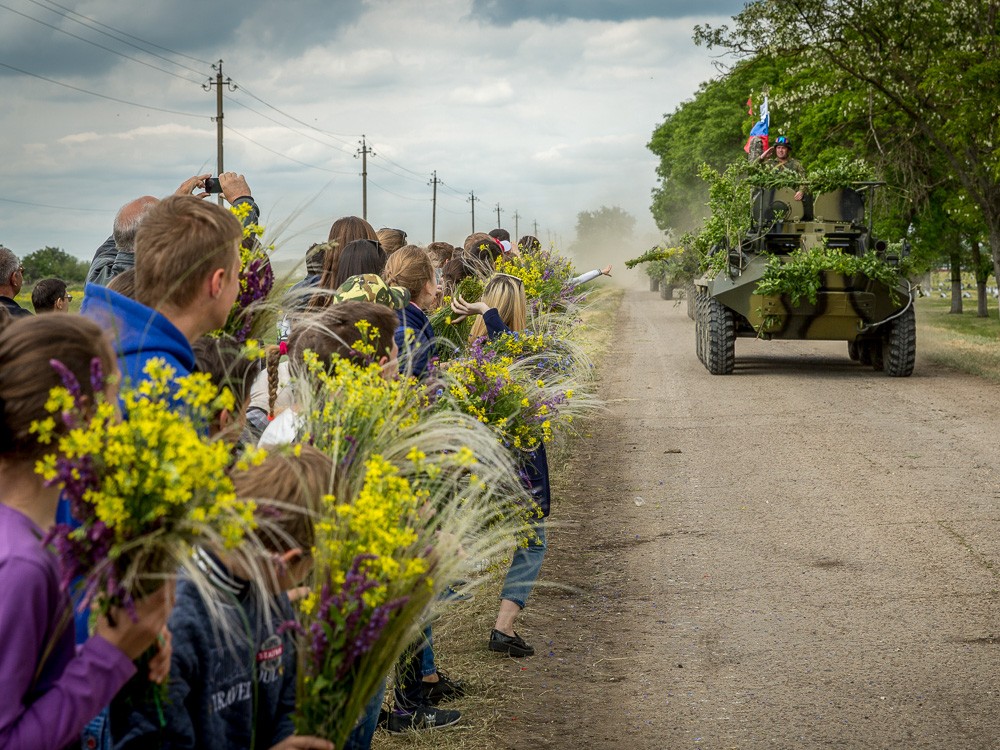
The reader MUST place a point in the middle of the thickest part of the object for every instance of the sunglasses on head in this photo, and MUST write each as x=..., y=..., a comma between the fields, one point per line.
x=518, y=279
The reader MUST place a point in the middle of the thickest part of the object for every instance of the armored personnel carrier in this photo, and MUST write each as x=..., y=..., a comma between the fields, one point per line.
x=876, y=320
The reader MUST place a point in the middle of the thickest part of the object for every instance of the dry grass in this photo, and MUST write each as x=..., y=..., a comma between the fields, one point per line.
x=460, y=635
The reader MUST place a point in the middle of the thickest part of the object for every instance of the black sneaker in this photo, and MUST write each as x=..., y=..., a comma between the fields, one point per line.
x=445, y=689
x=421, y=718
x=512, y=645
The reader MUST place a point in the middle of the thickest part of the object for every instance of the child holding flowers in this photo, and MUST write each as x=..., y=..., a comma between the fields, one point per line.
x=504, y=309
x=51, y=690
x=232, y=683
x=410, y=267
x=331, y=333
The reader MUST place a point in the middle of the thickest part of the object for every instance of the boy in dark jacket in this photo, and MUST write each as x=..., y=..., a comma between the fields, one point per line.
x=232, y=673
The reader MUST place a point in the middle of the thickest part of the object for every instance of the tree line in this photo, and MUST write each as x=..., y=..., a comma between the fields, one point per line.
x=914, y=91
x=54, y=261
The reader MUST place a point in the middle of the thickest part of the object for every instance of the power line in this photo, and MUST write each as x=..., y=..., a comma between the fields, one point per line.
x=92, y=23
x=460, y=193
x=102, y=96
x=398, y=195
x=283, y=125
x=252, y=95
x=397, y=174
x=420, y=176
x=284, y=156
x=99, y=46
x=132, y=36
x=60, y=208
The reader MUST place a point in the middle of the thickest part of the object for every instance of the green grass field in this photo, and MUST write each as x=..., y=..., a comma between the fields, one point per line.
x=964, y=342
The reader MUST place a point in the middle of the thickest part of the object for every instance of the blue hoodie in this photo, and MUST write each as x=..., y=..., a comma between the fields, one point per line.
x=138, y=333
x=415, y=354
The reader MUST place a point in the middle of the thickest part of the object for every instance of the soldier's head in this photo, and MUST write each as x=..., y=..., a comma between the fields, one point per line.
x=783, y=143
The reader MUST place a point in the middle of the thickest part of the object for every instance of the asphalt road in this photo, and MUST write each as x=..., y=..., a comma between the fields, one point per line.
x=802, y=554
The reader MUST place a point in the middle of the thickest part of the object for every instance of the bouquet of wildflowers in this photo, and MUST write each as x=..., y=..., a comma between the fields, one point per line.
x=351, y=412
x=483, y=386
x=145, y=486
x=373, y=583
x=546, y=276
x=415, y=488
x=256, y=278
x=453, y=338
x=420, y=488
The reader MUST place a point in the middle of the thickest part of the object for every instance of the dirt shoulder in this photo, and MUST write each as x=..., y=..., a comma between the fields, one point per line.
x=802, y=554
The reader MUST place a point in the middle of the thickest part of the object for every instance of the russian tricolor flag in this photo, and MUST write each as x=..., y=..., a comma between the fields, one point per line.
x=761, y=126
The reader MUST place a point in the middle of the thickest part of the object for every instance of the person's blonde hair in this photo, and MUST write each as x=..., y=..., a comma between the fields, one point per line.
x=288, y=489
x=391, y=240
x=506, y=294
x=181, y=242
x=409, y=267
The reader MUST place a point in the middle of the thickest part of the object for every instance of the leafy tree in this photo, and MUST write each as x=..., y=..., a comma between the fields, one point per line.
x=704, y=130
x=934, y=65
x=603, y=228
x=53, y=261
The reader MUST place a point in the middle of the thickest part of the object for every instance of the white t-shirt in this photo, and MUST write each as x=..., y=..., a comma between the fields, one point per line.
x=282, y=430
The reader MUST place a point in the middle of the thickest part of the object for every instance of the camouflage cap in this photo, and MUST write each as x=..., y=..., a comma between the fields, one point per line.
x=370, y=287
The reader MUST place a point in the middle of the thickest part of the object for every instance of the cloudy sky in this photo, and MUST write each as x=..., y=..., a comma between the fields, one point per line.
x=542, y=106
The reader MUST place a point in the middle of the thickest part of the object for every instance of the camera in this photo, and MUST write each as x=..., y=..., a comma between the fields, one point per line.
x=212, y=185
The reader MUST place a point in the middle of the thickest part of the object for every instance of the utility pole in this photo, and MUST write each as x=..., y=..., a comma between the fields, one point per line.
x=219, y=84
x=535, y=235
x=517, y=232
x=472, y=199
x=363, y=153
x=498, y=214
x=434, y=203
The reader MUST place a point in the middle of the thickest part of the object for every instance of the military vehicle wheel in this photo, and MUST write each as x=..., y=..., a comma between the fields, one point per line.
x=901, y=346
x=666, y=290
x=691, y=295
x=699, y=325
x=702, y=317
x=720, y=348
x=853, y=351
x=654, y=284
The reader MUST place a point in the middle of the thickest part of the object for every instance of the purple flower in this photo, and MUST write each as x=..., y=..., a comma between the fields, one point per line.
x=68, y=379
x=96, y=375
x=291, y=626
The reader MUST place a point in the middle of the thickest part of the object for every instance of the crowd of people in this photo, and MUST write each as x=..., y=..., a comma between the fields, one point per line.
x=160, y=298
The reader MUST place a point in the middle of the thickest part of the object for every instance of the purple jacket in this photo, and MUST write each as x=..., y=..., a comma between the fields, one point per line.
x=71, y=688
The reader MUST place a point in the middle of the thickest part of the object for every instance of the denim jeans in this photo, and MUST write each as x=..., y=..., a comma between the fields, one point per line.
x=97, y=734
x=525, y=566
x=427, y=666
x=360, y=737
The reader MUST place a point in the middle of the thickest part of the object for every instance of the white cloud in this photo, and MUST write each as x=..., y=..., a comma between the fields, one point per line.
x=149, y=131
x=545, y=118
x=495, y=94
